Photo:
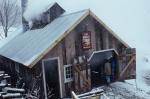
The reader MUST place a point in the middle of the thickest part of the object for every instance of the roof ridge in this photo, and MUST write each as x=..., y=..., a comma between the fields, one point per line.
x=74, y=12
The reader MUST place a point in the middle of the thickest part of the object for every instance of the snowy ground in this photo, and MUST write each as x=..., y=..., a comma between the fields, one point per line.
x=125, y=90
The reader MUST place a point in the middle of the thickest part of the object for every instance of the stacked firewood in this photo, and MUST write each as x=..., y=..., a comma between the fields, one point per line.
x=6, y=90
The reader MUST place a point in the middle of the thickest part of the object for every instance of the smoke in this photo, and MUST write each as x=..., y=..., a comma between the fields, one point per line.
x=35, y=8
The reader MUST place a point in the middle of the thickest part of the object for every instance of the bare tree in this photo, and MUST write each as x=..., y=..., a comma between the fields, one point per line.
x=8, y=14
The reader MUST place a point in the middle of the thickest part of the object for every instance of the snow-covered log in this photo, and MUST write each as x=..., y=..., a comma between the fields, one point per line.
x=12, y=95
x=13, y=90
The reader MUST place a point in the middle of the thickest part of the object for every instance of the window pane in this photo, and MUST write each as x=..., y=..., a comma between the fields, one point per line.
x=68, y=73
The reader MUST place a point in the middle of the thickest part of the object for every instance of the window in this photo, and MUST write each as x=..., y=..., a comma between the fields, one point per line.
x=68, y=73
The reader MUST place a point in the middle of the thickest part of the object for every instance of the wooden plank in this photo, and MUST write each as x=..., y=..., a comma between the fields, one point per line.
x=74, y=96
x=127, y=66
x=70, y=46
x=81, y=80
x=105, y=39
x=128, y=55
x=89, y=77
x=82, y=75
x=64, y=52
x=76, y=80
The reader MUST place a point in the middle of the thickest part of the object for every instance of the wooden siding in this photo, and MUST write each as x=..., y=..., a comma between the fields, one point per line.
x=71, y=46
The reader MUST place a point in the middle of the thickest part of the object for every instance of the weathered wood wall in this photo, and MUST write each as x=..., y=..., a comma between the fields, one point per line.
x=71, y=46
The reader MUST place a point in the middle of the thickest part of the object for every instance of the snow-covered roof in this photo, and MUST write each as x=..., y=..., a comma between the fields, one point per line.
x=29, y=47
x=13, y=32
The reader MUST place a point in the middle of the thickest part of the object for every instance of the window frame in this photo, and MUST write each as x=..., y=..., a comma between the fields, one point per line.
x=70, y=73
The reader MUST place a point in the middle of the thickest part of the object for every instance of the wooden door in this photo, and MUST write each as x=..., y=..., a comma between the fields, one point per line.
x=51, y=74
x=127, y=63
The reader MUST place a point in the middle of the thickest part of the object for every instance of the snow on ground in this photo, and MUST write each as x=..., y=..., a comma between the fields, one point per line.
x=127, y=91
x=131, y=81
x=124, y=90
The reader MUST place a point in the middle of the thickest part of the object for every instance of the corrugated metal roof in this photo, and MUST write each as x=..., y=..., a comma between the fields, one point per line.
x=26, y=47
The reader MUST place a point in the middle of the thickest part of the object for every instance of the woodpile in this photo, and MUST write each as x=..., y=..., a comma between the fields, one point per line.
x=6, y=90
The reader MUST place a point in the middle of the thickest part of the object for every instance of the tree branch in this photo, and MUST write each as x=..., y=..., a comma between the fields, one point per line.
x=8, y=14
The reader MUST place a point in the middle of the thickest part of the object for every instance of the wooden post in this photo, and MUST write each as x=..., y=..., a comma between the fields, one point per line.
x=44, y=80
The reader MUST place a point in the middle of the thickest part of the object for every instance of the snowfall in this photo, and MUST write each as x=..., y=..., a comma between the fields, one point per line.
x=129, y=19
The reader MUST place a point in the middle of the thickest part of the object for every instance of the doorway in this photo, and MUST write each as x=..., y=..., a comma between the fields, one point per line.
x=97, y=63
x=51, y=77
x=97, y=75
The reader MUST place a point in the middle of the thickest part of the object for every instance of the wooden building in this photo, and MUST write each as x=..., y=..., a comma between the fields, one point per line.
x=63, y=51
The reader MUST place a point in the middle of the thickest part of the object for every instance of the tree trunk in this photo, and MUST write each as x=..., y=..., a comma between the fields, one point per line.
x=6, y=32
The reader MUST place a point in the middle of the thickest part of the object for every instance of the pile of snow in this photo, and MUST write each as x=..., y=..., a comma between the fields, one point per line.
x=124, y=90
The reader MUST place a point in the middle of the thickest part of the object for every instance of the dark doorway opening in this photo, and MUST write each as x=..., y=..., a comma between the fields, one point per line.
x=97, y=75
x=97, y=62
x=52, y=78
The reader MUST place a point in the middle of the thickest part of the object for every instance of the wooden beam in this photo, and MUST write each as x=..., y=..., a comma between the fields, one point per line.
x=127, y=66
x=129, y=55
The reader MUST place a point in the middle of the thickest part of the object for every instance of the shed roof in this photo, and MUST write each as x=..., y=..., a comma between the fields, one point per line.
x=29, y=47
x=98, y=57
